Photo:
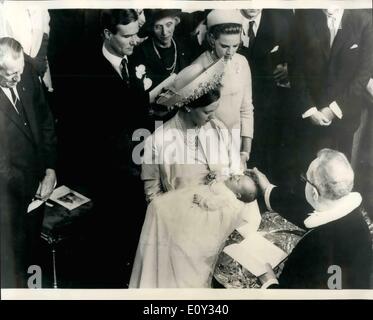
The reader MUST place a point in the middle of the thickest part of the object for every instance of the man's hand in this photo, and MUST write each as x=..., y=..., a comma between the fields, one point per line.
x=319, y=119
x=280, y=73
x=260, y=179
x=269, y=275
x=328, y=113
x=47, y=185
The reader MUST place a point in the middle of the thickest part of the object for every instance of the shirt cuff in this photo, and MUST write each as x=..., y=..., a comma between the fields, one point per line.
x=309, y=112
x=269, y=283
x=336, y=110
x=267, y=194
x=370, y=86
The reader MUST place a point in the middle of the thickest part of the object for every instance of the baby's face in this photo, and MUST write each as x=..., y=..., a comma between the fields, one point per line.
x=243, y=185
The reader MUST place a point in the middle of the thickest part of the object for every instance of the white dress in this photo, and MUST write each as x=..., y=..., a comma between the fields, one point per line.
x=181, y=240
x=169, y=163
x=235, y=107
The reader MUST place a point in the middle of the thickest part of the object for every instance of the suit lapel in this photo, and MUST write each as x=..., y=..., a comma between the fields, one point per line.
x=321, y=30
x=261, y=35
x=7, y=108
x=183, y=61
x=342, y=35
x=27, y=101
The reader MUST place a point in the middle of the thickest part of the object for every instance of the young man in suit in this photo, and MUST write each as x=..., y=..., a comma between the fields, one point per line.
x=336, y=252
x=110, y=110
x=332, y=68
x=27, y=160
x=266, y=45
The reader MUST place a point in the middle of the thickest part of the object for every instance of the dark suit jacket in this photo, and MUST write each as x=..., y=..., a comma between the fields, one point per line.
x=25, y=154
x=108, y=113
x=345, y=242
x=339, y=73
x=155, y=70
x=274, y=30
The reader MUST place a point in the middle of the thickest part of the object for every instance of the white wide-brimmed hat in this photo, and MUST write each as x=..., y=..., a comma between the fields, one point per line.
x=192, y=83
x=223, y=16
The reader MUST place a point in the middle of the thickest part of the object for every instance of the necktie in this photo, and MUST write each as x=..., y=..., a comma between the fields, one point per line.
x=19, y=106
x=124, y=71
x=251, y=34
x=332, y=28
x=14, y=97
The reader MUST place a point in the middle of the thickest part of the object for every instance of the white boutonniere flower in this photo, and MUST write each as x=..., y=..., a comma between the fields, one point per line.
x=140, y=71
x=141, y=74
x=147, y=83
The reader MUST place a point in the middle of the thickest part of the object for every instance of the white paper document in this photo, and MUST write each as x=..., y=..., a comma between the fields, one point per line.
x=252, y=218
x=254, y=252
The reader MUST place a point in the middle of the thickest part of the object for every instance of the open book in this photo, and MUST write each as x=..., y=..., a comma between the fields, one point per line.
x=254, y=252
x=68, y=198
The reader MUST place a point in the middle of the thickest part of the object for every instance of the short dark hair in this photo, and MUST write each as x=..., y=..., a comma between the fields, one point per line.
x=110, y=18
x=225, y=28
x=206, y=99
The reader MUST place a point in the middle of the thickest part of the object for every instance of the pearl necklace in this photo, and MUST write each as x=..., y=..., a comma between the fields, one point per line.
x=173, y=66
x=190, y=136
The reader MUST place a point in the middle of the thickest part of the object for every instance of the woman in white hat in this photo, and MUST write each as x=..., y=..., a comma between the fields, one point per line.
x=192, y=144
x=235, y=107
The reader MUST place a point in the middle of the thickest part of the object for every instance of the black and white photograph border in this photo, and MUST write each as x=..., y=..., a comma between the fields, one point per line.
x=86, y=161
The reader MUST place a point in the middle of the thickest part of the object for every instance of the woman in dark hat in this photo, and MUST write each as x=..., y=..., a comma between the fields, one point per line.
x=161, y=54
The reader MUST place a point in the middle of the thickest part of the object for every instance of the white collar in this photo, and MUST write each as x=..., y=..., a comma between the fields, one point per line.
x=338, y=17
x=342, y=208
x=246, y=21
x=114, y=60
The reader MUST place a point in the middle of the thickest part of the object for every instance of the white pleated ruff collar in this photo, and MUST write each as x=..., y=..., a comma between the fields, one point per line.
x=343, y=207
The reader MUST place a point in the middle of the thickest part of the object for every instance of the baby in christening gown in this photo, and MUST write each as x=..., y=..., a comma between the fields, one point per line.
x=184, y=231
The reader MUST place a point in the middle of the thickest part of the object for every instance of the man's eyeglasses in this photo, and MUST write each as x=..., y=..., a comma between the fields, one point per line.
x=304, y=179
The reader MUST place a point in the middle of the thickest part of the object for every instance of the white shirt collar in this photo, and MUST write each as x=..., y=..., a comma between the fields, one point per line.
x=338, y=17
x=246, y=21
x=342, y=208
x=114, y=60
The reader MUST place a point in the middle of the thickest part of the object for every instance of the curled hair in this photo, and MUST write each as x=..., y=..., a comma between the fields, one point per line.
x=225, y=28
x=110, y=18
x=333, y=175
x=206, y=99
x=9, y=46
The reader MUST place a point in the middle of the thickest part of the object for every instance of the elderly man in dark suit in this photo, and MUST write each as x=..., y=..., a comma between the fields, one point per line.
x=336, y=252
x=27, y=160
x=334, y=47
